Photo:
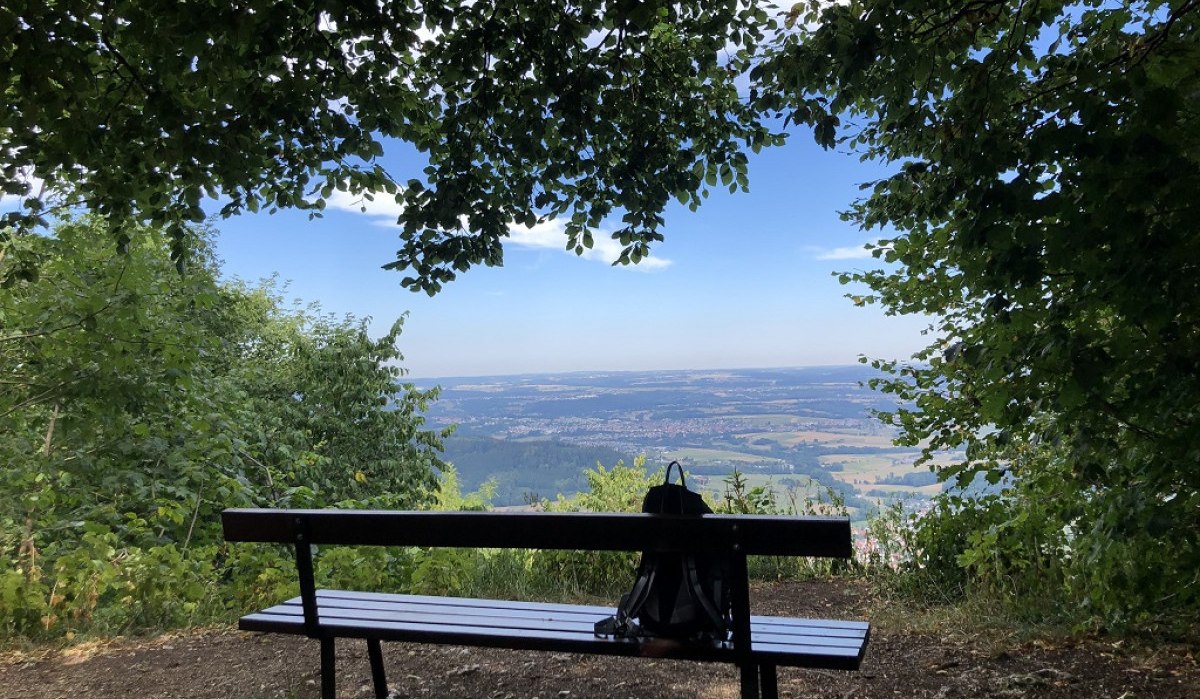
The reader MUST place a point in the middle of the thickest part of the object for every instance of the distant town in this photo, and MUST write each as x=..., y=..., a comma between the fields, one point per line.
x=805, y=432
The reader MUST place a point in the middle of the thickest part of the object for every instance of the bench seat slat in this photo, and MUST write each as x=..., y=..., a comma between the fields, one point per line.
x=541, y=626
x=555, y=616
x=334, y=616
x=501, y=621
x=323, y=595
x=564, y=641
x=499, y=615
x=457, y=605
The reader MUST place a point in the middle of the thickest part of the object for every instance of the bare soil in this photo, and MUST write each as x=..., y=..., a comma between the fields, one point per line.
x=218, y=663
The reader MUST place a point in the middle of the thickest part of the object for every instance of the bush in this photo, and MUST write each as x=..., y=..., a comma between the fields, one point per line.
x=102, y=587
x=741, y=498
x=605, y=574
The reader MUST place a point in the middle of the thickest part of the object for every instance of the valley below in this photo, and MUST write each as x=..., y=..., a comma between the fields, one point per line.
x=804, y=433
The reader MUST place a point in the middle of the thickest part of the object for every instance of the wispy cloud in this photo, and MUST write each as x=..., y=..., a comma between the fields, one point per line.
x=851, y=252
x=382, y=208
x=551, y=235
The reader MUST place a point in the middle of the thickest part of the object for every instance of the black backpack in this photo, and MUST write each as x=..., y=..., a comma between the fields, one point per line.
x=676, y=595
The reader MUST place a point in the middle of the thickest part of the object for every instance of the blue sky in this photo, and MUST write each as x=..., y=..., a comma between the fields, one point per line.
x=745, y=281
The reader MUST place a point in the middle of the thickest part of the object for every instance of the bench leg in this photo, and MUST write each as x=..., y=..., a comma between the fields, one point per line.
x=749, y=681
x=378, y=678
x=328, y=668
x=770, y=682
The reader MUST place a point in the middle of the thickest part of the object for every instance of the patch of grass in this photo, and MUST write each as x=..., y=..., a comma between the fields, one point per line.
x=984, y=622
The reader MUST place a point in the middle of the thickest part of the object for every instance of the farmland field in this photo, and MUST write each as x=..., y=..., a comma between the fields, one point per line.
x=850, y=467
x=698, y=455
x=846, y=437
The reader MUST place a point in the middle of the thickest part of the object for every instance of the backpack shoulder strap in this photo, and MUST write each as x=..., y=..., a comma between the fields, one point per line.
x=622, y=623
x=631, y=604
x=698, y=592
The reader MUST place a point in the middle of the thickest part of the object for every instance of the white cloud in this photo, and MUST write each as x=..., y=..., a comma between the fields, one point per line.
x=551, y=235
x=547, y=234
x=383, y=208
x=852, y=252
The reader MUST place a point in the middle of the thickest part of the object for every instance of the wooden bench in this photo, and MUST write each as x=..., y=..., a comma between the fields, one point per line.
x=757, y=645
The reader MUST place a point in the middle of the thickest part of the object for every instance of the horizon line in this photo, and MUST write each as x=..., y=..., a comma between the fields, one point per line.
x=576, y=372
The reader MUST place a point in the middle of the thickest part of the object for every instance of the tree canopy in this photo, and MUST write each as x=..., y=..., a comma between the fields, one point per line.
x=1042, y=209
x=579, y=109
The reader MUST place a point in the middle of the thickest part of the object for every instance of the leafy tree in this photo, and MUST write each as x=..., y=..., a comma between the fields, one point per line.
x=99, y=360
x=1042, y=208
x=136, y=403
x=523, y=111
x=323, y=416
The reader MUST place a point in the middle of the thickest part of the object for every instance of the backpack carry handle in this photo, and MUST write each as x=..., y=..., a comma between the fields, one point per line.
x=668, y=477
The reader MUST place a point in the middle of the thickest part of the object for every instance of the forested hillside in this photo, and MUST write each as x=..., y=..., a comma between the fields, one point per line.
x=524, y=471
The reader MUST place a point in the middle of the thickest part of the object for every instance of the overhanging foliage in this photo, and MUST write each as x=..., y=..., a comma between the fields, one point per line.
x=522, y=111
x=1043, y=211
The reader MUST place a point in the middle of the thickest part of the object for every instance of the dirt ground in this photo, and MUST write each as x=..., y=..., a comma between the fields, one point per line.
x=218, y=663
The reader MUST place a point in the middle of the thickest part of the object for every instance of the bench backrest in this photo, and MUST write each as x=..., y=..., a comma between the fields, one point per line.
x=745, y=534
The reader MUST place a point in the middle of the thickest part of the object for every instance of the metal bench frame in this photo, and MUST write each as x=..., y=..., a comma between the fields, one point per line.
x=757, y=645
